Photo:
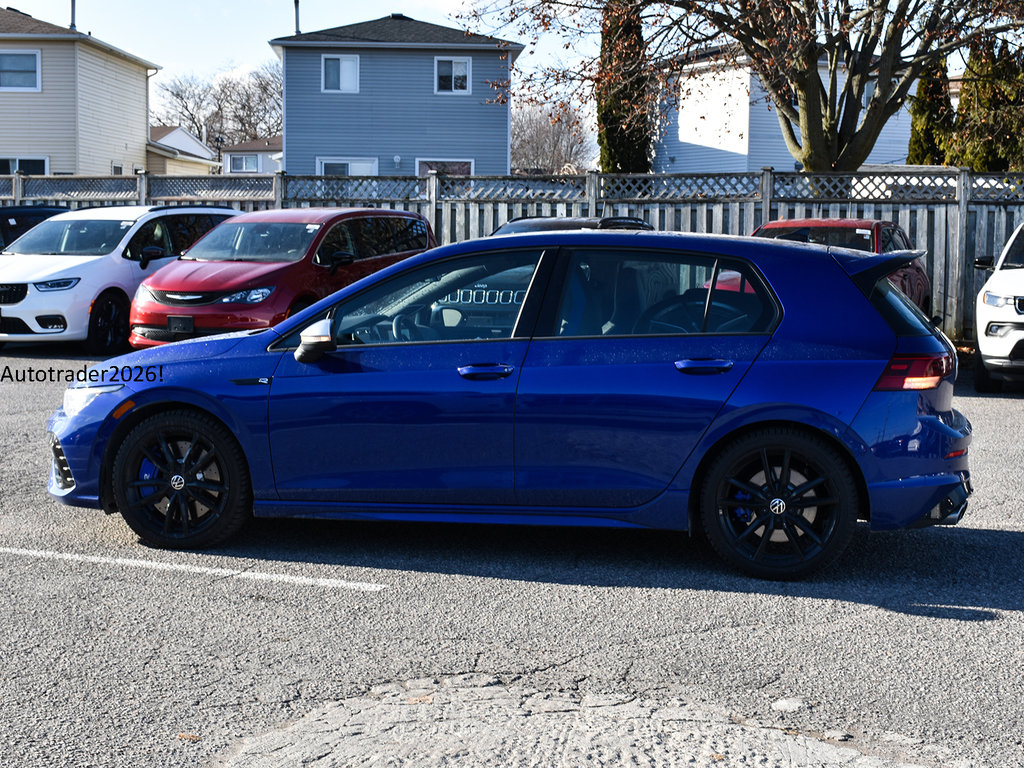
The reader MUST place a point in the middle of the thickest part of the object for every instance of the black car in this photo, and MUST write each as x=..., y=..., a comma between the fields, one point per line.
x=549, y=223
x=16, y=220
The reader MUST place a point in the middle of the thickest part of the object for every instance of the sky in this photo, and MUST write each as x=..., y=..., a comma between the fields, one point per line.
x=204, y=37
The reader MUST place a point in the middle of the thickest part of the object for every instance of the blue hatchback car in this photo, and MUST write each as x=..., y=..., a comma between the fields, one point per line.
x=768, y=393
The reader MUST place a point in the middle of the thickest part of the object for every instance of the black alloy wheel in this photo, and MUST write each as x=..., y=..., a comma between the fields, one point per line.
x=779, y=503
x=108, y=325
x=180, y=481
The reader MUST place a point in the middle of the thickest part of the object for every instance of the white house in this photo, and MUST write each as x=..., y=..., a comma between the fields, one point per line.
x=174, y=150
x=726, y=123
x=69, y=103
x=259, y=156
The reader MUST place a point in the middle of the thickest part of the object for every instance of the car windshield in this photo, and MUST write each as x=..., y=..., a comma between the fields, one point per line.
x=1014, y=258
x=263, y=241
x=72, y=237
x=842, y=237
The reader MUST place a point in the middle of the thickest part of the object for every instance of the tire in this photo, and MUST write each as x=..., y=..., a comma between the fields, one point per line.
x=181, y=481
x=984, y=383
x=756, y=503
x=108, y=325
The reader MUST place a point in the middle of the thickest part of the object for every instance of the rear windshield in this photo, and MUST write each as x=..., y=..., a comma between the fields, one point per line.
x=841, y=237
x=899, y=312
x=255, y=241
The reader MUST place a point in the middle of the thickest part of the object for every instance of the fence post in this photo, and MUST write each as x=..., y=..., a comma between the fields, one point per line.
x=18, y=186
x=142, y=187
x=958, y=280
x=432, y=197
x=279, y=189
x=593, y=188
x=767, y=185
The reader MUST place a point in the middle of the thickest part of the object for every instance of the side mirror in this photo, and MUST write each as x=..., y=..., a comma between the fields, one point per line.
x=340, y=259
x=936, y=320
x=985, y=262
x=314, y=341
x=151, y=253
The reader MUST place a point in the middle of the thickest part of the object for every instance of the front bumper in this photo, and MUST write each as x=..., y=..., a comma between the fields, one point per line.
x=46, y=316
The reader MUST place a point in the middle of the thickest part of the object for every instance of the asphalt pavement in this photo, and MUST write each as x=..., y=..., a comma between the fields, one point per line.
x=341, y=644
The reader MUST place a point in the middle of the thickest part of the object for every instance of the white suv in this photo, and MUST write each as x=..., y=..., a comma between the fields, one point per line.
x=72, y=276
x=999, y=318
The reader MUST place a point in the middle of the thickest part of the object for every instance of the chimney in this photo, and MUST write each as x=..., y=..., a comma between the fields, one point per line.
x=297, y=18
x=73, y=14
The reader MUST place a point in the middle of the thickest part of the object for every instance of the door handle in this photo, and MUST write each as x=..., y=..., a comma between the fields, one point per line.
x=703, y=367
x=485, y=371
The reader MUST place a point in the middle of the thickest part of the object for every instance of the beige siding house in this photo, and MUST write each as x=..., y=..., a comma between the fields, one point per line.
x=175, y=151
x=70, y=103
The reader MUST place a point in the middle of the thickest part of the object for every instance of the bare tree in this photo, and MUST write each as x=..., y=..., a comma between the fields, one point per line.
x=238, y=107
x=543, y=142
x=835, y=70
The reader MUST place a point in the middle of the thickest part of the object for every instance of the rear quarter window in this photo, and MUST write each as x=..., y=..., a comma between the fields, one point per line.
x=899, y=312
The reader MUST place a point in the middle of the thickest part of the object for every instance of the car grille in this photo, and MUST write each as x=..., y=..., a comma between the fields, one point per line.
x=13, y=325
x=159, y=333
x=1020, y=305
x=61, y=471
x=12, y=293
x=186, y=298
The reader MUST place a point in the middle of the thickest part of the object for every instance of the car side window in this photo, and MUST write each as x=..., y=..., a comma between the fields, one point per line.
x=337, y=240
x=611, y=293
x=373, y=236
x=410, y=234
x=152, y=233
x=476, y=297
x=888, y=244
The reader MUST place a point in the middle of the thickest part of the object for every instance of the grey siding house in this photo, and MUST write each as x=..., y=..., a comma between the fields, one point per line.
x=395, y=97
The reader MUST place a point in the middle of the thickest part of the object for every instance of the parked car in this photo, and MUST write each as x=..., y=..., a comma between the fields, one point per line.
x=70, y=278
x=861, y=235
x=999, y=318
x=259, y=268
x=16, y=220
x=820, y=398
x=550, y=223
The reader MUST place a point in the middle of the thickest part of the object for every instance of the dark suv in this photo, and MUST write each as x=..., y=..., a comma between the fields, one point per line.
x=551, y=223
x=16, y=220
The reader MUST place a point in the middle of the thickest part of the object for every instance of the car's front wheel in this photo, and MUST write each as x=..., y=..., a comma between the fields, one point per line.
x=108, y=325
x=180, y=481
x=779, y=503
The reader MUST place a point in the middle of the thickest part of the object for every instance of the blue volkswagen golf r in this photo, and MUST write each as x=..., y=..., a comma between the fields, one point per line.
x=769, y=393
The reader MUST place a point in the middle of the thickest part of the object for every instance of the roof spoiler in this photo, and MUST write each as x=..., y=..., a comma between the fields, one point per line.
x=867, y=269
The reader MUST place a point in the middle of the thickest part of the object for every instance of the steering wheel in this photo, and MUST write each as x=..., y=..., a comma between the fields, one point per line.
x=403, y=328
x=673, y=315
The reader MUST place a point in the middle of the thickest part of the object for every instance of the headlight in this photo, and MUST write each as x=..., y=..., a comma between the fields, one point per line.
x=76, y=398
x=60, y=284
x=142, y=293
x=248, y=296
x=997, y=301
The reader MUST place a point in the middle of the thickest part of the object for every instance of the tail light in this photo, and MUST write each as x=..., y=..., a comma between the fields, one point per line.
x=915, y=372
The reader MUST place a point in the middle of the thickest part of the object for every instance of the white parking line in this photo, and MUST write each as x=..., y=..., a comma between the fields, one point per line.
x=152, y=565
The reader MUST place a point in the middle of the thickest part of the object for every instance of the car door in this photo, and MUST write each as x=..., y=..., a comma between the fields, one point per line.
x=416, y=403
x=635, y=356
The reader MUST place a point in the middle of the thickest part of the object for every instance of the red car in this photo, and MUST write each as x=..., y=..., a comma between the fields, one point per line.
x=862, y=235
x=258, y=268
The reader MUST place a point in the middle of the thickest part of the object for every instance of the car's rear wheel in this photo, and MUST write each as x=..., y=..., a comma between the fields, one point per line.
x=182, y=481
x=984, y=382
x=779, y=503
x=108, y=325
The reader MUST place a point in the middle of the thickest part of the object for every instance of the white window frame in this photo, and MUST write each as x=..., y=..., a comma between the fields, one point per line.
x=328, y=159
x=18, y=160
x=243, y=156
x=429, y=159
x=323, y=72
x=39, y=71
x=469, y=76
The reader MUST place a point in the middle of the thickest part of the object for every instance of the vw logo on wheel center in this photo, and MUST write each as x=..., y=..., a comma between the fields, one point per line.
x=777, y=506
x=178, y=482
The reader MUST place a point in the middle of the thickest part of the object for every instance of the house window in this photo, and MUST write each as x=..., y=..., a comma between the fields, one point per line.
x=117, y=169
x=244, y=164
x=452, y=75
x=340, y=74
x=347, y=166
x=19, y=71
x=446, y=167
x=31, y=166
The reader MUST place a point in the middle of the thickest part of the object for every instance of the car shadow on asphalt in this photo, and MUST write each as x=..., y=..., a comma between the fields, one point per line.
x=961, y=573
